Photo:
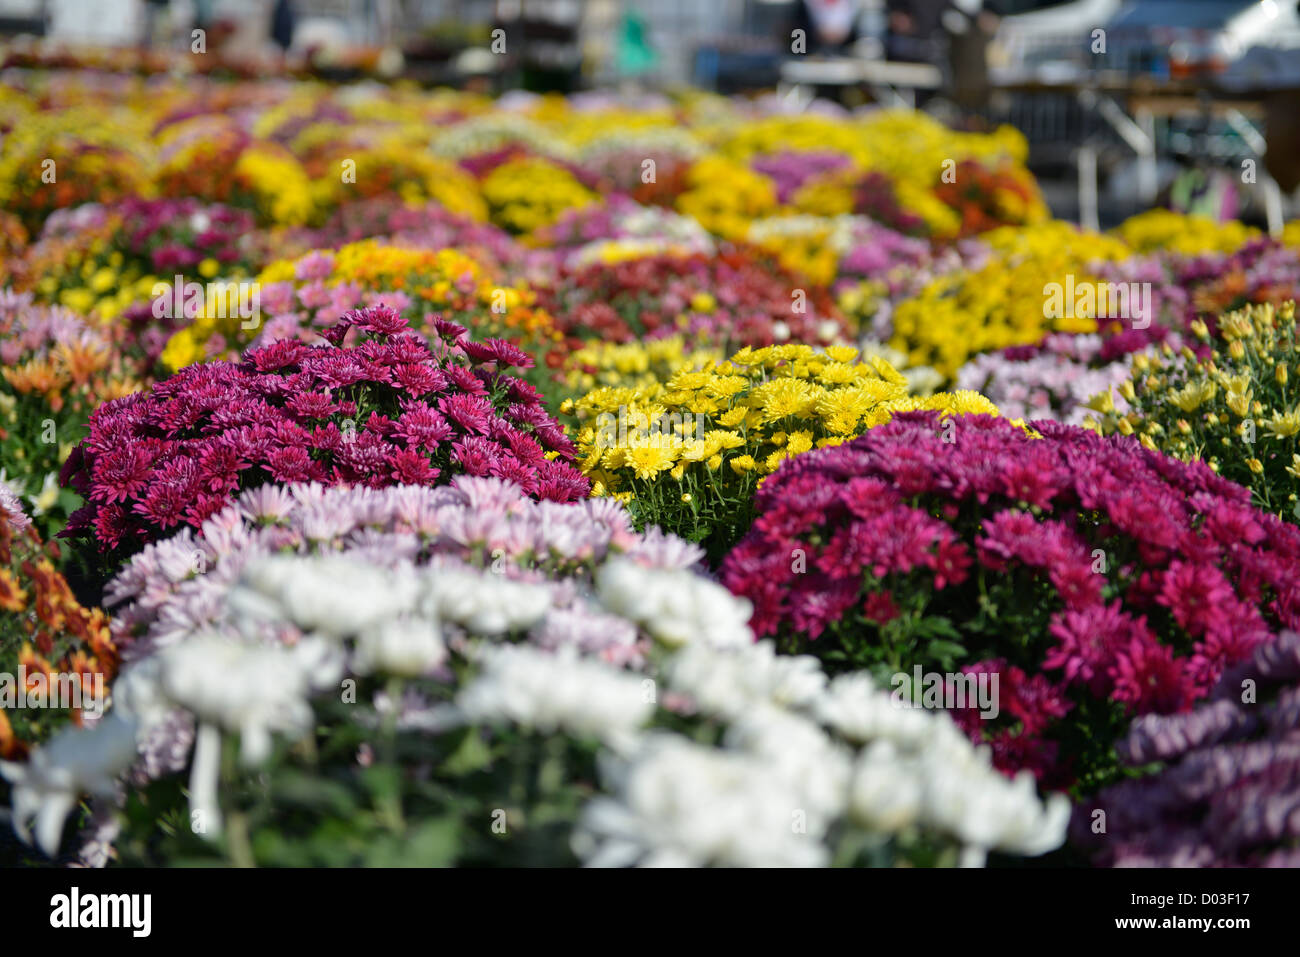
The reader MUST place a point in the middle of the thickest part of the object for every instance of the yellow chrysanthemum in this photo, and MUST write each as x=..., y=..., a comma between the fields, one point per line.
x=647, y=461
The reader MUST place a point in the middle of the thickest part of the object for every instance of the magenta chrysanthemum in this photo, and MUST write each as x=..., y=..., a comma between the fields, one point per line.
x=389, y=409
x=1123, y=581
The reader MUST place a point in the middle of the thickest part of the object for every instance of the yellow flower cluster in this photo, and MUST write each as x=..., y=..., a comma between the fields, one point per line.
x=1237, y=408
x=861, y=300
x=1005, y=303
x=725, y=197
x=63, y=159
x=803, y=132
x=524, y=195
x=942, y=220
x=93, y=281
x=1291, y=233
x=614, y=251
x=584, y=130
x=392, y=166
x=1162, y=230
x=908, y=145
x=640, y=366
x=802, y=244
x=279, y=186
x=442, y=281
x=708, y=434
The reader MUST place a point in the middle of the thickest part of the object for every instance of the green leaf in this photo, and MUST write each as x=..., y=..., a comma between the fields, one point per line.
x=294, y=788
x=472, y=754
x=434, y=844
x=383, y=781
x=945, y=651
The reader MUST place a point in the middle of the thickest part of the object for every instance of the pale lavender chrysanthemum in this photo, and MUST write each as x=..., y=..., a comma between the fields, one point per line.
x=611, y=637
x=661, y=550
x=12, y=507
x=96, y=838
x=266, y=503
x=181, y=585
x=485, y=494
x=164, y=749
x=315, y=265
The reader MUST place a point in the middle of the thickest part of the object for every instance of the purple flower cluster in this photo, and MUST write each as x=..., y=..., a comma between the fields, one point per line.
x=389, y=410
x=1127, y=575
x=873, y=251
x=622, y=218
x=32, y=331
x=1203, y=286
x=163, y=235
x=1228, y=793
x=790, y=170
x=1054, y=379
x=178, y=586
x=178, y=234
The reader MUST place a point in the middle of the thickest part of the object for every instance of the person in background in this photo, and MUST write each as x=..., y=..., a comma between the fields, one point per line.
x=830, y=26
x=282, y=23
x=969, y=26
x=202, y=14
x=153, y=9
x=915, y=31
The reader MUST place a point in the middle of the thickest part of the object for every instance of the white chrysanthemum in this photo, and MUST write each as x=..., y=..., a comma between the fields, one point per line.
x=674, y=606
x=730, y=682
x=255, y=690
x=252, y=689
x=556, y=692
x=76, y=761
x=855, y=709
x=887, y=791
x=482, y=602
x=331, y=595
x=681, y=804
x=406, y=646
x=967, y=797
x=801, y=754
x=945, y=783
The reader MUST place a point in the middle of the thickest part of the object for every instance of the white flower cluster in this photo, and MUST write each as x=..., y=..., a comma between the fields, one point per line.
x=251, y=689
x=557, y=692
x=681, y=804
x=648, y=141
x=799, y=758
x=645, y=231
x=482, y=134
x=788, y=760
x=399, y=620
x=675, y=607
